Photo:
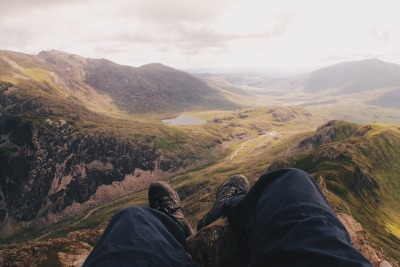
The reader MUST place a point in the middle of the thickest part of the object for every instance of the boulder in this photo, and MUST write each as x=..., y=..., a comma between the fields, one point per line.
x=216, y=245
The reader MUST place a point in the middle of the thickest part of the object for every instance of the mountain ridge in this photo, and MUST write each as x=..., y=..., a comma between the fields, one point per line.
x=149, y=88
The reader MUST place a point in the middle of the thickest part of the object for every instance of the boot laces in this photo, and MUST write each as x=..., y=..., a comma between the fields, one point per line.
x=167, y=205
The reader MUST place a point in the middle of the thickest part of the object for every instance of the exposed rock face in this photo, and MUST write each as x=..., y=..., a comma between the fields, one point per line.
x=325, y=134
x=217, y=246
x=47, y=165
x=359, y=240
x=53, y=166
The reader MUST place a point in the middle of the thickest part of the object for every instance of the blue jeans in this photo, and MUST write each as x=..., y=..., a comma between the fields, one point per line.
x=284, y=218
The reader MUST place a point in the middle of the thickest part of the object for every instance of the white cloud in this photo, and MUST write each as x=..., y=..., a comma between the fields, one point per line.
x=206, y=33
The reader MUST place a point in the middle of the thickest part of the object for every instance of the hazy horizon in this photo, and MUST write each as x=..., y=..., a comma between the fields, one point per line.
x=288, y=35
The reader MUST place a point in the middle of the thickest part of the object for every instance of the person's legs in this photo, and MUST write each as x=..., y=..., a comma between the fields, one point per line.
x=164, y=198
x=140, y=236
x=288, y=222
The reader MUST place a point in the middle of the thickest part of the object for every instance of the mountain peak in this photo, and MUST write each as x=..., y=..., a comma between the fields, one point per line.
x=57, y=54
x=372, y=60
x=153, y=65
x=156, y=67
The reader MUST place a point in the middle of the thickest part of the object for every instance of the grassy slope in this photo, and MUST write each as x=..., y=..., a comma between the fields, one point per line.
x=365, y=175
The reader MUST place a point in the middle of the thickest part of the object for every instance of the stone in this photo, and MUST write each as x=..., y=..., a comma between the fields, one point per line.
x=385, y=264
x=216, y=245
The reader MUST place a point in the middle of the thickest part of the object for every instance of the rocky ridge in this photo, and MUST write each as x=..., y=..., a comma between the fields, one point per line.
x=217, y=246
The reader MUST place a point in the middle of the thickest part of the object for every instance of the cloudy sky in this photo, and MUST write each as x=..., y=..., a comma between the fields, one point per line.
x=218, y=34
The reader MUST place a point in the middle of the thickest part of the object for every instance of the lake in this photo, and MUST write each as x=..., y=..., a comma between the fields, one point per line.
x=184, y=120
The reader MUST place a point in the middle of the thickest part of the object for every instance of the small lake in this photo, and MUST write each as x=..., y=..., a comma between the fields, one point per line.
x=184, y=120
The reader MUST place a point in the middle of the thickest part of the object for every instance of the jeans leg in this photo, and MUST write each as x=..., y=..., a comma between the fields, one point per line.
x=140, y=236
x=288, y=222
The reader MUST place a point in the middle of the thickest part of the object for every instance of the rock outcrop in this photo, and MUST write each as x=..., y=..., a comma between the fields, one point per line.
x=217, y=246
x=49, y=167
x=359, y=240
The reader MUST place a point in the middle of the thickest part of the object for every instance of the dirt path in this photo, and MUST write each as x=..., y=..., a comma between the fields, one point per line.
x=93, y=210
x=269, y=134
x=240, y=148
x=107, y=204
x=42, y=236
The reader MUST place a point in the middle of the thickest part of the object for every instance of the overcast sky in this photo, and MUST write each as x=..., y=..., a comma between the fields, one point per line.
x=224, y=34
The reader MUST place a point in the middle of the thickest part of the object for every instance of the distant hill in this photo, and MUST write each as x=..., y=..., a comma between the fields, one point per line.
x=344, y=78
x=357, y=91
x=354, y=76
x=102, y=84
x=150, y=88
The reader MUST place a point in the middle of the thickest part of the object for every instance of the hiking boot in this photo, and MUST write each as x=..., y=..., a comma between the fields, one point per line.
x=233, y=186
x=163, y=197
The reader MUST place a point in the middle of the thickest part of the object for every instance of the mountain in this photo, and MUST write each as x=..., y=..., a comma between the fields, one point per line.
x=150, y=88
x=354, y=76
x=71, y=136
x=153, y=87
x=345, y=78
